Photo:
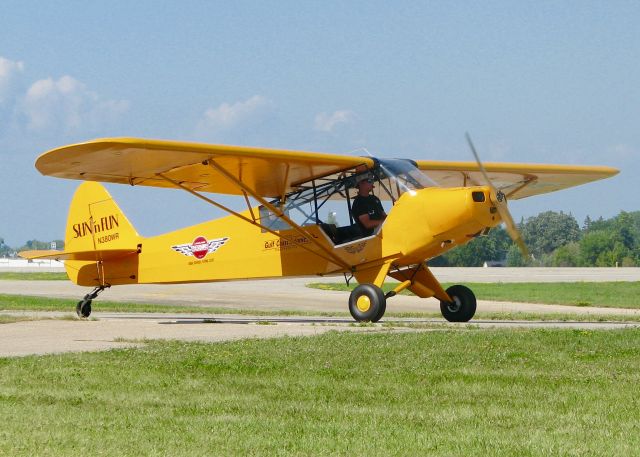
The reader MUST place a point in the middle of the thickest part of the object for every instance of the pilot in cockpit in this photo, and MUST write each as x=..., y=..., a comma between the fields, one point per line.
x=367, y=209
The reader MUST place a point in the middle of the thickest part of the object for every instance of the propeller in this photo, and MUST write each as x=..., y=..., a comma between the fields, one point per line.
x=499, y=199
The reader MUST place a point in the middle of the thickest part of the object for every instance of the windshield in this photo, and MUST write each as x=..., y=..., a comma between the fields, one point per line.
x=402, y=176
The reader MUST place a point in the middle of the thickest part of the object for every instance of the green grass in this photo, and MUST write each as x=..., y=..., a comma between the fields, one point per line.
x=28, y=303
x=446, y=393
x=34, y=276
x=602, y=294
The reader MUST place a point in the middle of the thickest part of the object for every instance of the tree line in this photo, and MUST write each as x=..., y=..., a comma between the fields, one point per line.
x=8, y=251
x=555, y=239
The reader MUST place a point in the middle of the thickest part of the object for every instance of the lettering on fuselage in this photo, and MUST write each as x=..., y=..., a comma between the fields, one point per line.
x=281, y=243
x=90, y=227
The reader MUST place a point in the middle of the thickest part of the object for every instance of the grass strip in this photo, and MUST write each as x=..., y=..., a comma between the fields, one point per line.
x=445, y=393
x=29, y=303
x=600, y=294
x=33, y=276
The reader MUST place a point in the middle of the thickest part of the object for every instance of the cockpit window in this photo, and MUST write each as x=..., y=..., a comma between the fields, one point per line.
x=333, y=194
x=402, y=176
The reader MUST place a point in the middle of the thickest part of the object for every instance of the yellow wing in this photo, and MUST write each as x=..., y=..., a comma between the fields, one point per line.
x=139, y=162
x=275, y=172
x=514, y=179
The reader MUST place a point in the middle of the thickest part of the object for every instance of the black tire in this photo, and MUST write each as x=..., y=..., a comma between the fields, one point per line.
x=83, y=308
x=367, y=303
x=463, y=306
x=381, y=311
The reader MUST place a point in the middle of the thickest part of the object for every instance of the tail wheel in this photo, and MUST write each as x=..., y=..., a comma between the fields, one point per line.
x=83, y=308
x=367, y=303
x=463, y=306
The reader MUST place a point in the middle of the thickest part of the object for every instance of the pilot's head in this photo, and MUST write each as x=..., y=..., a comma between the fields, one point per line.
x=364, y=184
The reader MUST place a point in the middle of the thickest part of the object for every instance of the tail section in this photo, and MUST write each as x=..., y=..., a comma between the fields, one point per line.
x=96, y=223
x=101, y=245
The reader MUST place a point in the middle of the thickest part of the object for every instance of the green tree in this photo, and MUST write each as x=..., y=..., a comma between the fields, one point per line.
x=547, y=231
x=40, y=245
x=611, y=242
x=567, y=255
x=484, y=248
x=600, y=224
x=514, y=257
x=555, y=239
x=601, y=248
x=4, y=249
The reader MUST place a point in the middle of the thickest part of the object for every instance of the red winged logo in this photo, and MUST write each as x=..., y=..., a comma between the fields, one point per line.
x=200, y=247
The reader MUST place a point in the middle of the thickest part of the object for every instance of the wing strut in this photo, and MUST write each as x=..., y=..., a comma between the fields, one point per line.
x=335, y=259
x=253, y=221
x=528, y=180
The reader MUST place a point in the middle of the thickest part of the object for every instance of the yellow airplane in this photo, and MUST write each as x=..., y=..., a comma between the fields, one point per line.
x=432, y=206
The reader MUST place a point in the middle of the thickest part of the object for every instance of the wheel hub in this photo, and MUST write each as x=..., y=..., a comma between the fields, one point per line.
x=455, y=305
x=363, y=303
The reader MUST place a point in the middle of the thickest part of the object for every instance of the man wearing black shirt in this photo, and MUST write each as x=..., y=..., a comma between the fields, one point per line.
x=366, y=208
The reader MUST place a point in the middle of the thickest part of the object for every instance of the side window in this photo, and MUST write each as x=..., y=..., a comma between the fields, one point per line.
x=270, y=220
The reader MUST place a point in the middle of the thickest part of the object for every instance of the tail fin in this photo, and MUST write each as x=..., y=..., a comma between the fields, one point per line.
x=96, y=223
x=101, y=245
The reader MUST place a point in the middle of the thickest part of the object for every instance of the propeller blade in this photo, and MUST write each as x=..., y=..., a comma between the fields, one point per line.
x=512, y=229
x=499, y=199
x=480, y=165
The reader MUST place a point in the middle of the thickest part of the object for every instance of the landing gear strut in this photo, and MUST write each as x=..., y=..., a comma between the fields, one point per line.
x=83, y=308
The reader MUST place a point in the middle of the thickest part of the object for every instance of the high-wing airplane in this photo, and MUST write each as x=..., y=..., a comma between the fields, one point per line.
x=431, y=207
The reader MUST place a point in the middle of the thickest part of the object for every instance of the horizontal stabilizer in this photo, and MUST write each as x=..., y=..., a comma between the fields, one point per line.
x=92, y=256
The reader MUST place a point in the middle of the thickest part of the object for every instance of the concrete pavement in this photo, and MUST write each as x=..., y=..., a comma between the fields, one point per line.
x=125, y=329
x=110, y=331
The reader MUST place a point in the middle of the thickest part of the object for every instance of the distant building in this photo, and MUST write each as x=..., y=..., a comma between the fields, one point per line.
x=30, y=264
x=494, y=263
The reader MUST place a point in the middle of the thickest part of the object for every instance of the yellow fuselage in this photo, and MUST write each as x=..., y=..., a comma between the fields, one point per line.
x=420, y=226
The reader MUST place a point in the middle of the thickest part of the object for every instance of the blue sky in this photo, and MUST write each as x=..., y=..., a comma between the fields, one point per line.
x=543, y=82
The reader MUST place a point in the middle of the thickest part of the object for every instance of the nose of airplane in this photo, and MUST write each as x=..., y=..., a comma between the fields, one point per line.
x=430, y=220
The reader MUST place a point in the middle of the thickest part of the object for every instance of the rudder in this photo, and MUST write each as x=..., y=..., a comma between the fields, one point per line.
x=96, y=223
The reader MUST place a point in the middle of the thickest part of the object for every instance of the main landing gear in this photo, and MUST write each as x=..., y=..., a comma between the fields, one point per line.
x=462, y=307
x=83, y=308
x=367, y=303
